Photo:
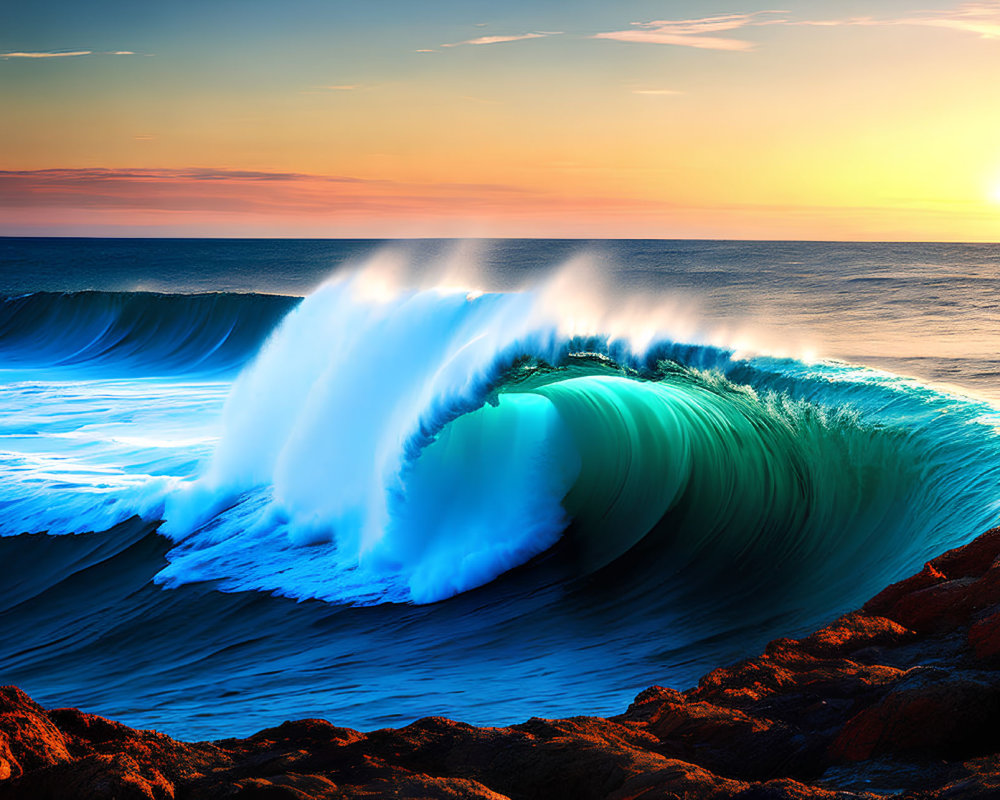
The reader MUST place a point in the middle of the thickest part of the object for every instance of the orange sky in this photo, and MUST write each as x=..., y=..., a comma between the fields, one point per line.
x=878, y=122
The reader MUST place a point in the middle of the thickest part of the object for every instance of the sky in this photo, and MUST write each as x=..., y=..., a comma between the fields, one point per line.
x=873, y=120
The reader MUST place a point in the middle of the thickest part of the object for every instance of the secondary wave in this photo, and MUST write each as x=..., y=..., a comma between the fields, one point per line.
x=142, y=332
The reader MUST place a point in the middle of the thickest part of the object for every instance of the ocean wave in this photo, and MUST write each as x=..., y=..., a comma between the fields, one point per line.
x=571, y=491
x=137, y=331
x=395, y=444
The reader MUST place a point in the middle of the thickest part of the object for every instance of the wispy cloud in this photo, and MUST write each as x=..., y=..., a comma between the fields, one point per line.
x=700, y=33
x=979, y=18
x=65, y=53
x=501, y=38
x=336, y=88
x=237, y=202
x=42, y=178
x=661, y=92
x=128, y=192
x=46, y=184
x=53, y=54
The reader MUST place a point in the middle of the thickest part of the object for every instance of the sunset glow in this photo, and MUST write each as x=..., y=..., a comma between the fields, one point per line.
x=632, y=119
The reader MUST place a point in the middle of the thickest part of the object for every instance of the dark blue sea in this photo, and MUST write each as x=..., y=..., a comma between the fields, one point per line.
x=245, y=481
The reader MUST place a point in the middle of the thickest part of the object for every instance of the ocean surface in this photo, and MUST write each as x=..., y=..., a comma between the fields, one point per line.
x=244, y=481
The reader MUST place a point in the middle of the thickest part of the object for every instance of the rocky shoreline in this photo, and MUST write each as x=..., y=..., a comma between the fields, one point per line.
x=900, y=699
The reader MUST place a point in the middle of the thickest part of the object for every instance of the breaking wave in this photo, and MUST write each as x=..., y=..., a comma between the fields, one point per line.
x=401, y=444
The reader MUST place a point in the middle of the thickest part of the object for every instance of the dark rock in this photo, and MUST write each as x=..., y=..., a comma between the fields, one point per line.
x=930, y=713
x=984, y=636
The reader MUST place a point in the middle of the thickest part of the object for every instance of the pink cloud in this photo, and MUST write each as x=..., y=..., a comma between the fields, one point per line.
x=224, y=202
x=500, y=39
x=64, y=53
x=237, y=191
x=980, y=18
x=699, y=33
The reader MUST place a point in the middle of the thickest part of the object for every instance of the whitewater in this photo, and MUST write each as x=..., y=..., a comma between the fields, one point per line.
x=443, y=482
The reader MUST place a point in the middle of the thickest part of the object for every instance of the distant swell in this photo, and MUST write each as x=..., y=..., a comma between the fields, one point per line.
x=142, y=332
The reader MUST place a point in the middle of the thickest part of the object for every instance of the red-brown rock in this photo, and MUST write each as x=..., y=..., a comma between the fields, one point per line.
x=28, y=740
x=984, y=637
x=973, y=559
x=930, y=713
x=853, y=632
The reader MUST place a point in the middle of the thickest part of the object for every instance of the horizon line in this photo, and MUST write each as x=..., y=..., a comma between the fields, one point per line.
x=500, y=238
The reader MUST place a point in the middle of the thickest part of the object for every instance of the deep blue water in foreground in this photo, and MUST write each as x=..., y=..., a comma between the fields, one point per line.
x=247, y=481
